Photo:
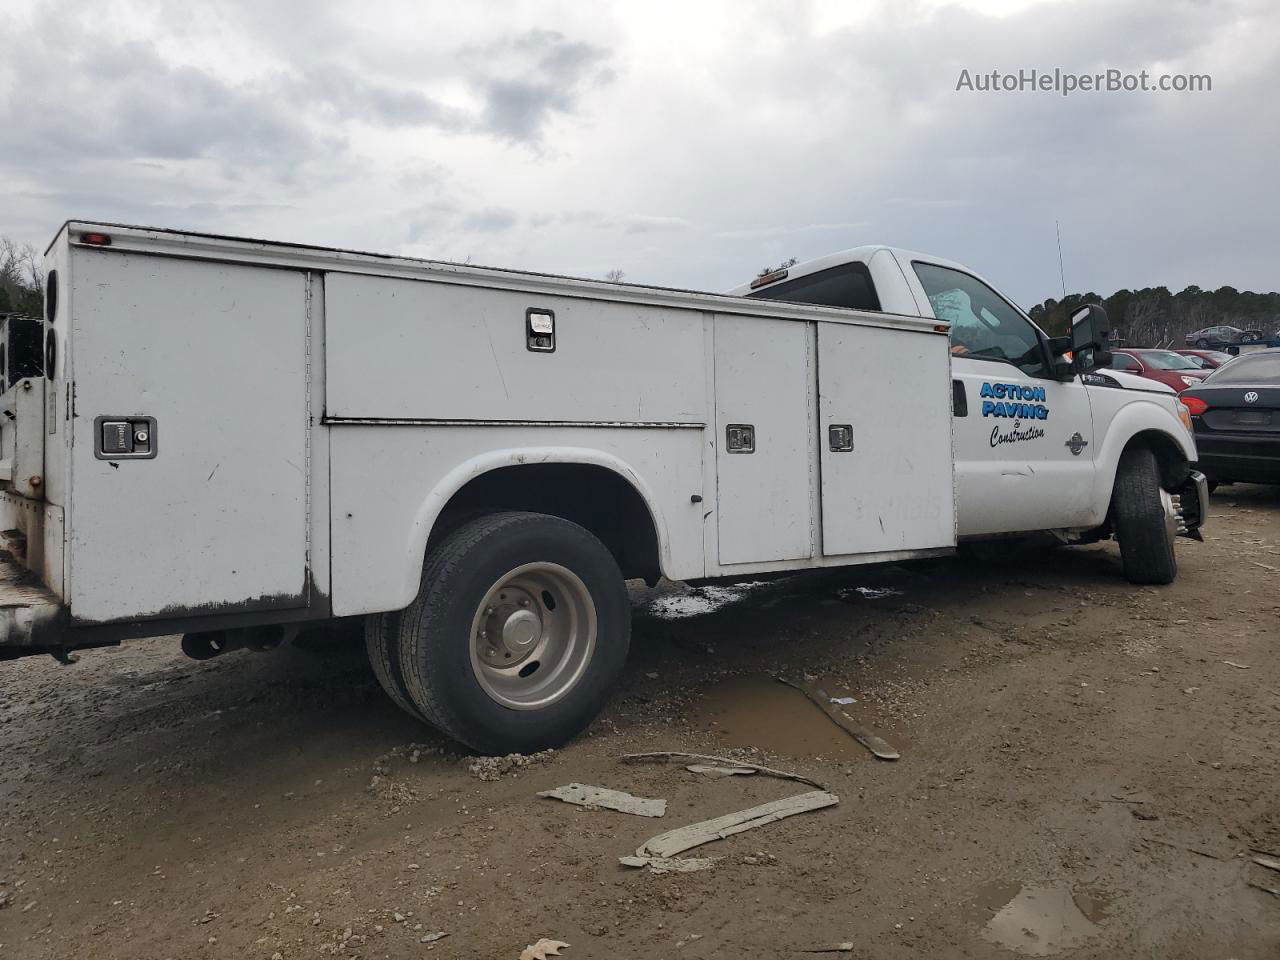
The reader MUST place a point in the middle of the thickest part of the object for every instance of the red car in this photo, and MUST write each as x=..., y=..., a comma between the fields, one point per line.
x=1171, y=369
x=1209, y=359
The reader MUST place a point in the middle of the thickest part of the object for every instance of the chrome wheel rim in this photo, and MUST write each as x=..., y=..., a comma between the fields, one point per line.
x=533, y=635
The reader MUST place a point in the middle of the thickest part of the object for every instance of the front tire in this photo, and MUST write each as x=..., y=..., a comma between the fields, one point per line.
x=518, y=633
x=1144, y=519
x=1202, y=343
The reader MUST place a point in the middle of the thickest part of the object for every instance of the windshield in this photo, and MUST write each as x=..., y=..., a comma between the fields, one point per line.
x=1258, y=368
x=1168, y=360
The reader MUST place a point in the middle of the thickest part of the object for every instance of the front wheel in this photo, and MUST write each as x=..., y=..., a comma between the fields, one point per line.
x=1202, y=343
x=518, y=633
x=1146, y=523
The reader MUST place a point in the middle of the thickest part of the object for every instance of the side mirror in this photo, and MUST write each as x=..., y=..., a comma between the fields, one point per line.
x=1090, y=337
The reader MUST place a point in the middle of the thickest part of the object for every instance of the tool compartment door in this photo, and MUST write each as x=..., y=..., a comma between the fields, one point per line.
x=763, y=385
x=884, y=400
x=216, y=521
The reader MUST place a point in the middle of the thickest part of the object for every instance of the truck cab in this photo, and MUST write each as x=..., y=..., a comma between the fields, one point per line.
x=1038, y=437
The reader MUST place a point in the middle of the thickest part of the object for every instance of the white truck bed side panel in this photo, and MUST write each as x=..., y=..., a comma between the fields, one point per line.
x=216, y=522
x=416, y=349
x=762, y=379
x=390, y=482
x=893, y=490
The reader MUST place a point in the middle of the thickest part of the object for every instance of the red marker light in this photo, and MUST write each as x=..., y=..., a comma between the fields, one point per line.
x=95, y=239
x=1195, y=405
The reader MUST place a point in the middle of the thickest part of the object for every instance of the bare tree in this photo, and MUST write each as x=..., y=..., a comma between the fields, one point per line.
x=615, y=275
x=789, y=262
x=21, y=279
x=1144, y=320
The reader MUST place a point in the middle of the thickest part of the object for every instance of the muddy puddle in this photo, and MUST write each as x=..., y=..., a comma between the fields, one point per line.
x=1039, y=920
x=759, y=711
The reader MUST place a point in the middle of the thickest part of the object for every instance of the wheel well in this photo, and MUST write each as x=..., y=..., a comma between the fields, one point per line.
x=591, y=496
x=1169, y=456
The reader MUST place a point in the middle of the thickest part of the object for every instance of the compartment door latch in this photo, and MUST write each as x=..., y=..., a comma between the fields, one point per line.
x=124, y=438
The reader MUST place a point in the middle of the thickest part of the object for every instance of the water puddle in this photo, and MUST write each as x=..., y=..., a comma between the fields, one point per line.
x=1039, y=921
x=758, y=711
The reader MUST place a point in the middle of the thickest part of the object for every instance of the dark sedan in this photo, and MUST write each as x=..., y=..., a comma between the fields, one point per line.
x=1236, y=416
x=1223, y=336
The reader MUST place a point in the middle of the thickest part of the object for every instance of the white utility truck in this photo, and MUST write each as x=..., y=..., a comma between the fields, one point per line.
x=233, y=440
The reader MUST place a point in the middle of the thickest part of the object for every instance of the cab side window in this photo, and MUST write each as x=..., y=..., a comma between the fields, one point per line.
x=984, y=326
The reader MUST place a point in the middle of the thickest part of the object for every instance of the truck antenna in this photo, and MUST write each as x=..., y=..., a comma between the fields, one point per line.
x=1061, y=273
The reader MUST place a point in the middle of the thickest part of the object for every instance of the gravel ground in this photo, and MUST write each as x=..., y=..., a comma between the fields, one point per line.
x=1086, y=768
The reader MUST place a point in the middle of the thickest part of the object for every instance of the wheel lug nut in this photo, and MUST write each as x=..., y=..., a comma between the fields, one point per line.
x=524, y=603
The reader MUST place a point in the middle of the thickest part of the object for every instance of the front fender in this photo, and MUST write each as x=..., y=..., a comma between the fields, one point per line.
x=1154, y=418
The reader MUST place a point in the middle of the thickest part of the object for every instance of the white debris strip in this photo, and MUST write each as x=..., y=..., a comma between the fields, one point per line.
x=670, y=864
x=675, y=842
x=585, y=795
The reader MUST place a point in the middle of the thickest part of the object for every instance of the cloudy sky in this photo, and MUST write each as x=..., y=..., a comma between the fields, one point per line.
x=688, y=143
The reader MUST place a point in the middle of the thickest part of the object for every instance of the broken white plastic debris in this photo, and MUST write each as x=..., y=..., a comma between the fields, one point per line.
x=588, y=796
x=675, y=842
x=542, y=949
x=843, y=701
x=670, y=864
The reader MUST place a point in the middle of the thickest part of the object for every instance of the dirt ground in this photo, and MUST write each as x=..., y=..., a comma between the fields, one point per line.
x=1085, y=768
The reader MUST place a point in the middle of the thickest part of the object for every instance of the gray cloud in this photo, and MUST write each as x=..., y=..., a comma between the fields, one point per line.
x=490, y=220
x=527, y=79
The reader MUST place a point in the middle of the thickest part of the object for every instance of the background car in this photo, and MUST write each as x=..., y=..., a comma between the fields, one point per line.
x=1236, y=417
x=1206, y=359
x=1222, y=336
x=1164, y=366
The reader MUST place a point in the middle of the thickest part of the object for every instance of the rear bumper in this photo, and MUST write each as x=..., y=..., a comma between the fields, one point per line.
x=1250, y=459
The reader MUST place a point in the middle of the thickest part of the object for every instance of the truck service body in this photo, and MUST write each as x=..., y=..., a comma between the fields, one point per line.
x=233, y=439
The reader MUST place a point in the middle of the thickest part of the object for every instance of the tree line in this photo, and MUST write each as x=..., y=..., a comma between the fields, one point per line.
x=1155, y=317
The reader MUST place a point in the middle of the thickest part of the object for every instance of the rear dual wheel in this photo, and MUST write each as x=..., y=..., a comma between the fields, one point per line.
x=518, y=633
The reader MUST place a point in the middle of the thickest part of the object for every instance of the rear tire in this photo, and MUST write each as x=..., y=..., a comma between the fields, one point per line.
x=518, y=633
x=382, y=643
x=1144, y=524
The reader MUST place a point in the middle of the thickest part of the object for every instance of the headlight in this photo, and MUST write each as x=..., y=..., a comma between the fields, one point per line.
x=1189, y=381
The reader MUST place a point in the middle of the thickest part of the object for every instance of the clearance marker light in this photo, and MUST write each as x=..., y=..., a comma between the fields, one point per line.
x=761, y=280
x=95, y=239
